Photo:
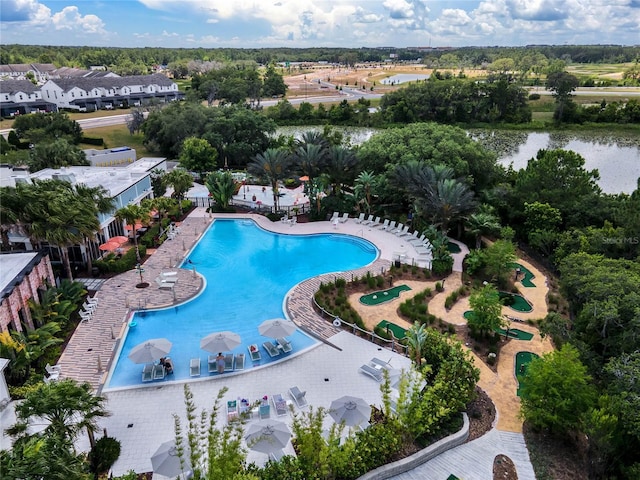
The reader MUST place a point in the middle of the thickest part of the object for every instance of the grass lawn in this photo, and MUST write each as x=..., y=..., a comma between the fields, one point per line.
x=118, y=136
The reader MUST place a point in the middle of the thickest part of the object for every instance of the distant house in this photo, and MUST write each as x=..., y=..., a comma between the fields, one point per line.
x=19, y=71
x=20, y=97
x=108, y=92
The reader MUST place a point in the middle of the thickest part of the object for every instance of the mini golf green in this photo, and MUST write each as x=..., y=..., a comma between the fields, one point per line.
x=453, y=247
x=452, y=477
x=397, y=330
x=523, y=359
x=528, y=276
x=376, y=298
x=515, y=301
x=516, y=334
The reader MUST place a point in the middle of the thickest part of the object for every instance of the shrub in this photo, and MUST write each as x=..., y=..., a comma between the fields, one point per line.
x=341, y=283
x=104, y=454
x=379, y=281
x=92, y=141
x=439, y=287
x=534, y=96
x=111, y=264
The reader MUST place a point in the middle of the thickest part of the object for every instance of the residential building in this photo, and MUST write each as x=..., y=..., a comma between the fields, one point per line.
x=21, y=96
x=22, y=277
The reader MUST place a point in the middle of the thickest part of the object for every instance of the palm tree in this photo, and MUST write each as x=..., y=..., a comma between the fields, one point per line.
x=310, y=159
x=340, y=167
x=131, y=215
x=451, y=199
x=365, y=185
x=104, y=204
x=66, y=408
x=181, y=181
x=221, y=186
x=272, y=164
x=416, y=337
x=482, y=223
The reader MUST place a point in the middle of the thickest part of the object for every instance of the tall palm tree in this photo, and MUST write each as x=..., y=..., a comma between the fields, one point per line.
x=416, y=337
x=131, y=215
x=341, y=167
x=181, y=181
x=221, y=186
x=482, y=223
x=450, y=201
x=104, y=204
x=310, y=159
x=364, y=189
x=272, y=164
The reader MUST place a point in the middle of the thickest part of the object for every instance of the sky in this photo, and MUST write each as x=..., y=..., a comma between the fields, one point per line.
x=319, y=23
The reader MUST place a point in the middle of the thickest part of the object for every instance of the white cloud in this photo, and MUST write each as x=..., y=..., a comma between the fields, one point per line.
x=69, y=18
x=31, y=13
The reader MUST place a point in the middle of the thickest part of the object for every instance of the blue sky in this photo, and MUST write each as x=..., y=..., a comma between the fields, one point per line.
x=314, y=23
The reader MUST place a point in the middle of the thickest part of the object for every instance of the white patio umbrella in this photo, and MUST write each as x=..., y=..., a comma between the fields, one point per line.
x=350, y=410
x=166, y=461
x=220, y=342
x=276, y=328
x=267, y=436
x=151, y=350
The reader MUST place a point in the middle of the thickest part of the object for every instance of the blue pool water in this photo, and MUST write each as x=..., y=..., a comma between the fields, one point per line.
x=248, y=272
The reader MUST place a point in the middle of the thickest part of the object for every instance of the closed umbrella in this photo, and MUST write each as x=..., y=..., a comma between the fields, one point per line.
x=276, y=328
x=166, y=461
x=350, y=410
x=267, y=436
x=151, y=350
x=220, y=342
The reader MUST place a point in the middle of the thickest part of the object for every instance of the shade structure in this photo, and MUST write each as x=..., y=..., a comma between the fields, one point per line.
x=151, y=350
x=267, y=436
x=120, y=239
x=109, y=246
x=350, y=410
x=166, y=461
x=276, y=328
x=304, y=178
x=130, y=227
x=220, y=342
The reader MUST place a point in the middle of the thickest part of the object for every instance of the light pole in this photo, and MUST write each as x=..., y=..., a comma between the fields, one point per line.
x=142, y=283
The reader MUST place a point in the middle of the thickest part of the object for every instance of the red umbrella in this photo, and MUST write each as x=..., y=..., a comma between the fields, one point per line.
x=304, y=179
x=120, y=239
x=129, y=227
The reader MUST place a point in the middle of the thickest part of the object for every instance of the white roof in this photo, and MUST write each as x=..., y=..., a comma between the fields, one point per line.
x=11, y=264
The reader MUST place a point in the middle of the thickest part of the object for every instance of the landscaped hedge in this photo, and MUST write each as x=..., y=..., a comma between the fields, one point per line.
x=99, y=141
x=112, y=264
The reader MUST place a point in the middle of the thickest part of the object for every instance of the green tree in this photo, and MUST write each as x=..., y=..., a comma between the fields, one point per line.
x=487, y=310
x=482, y=223
x=341, y=167
x=181, y=181
x=132, y=215
x=557, y=392
x=562, y=84
x=497, y=258
x=273, y=83
x=197, y=155
x=222, y=187
x=55, y=154
x=365, y=186
x=273, y=164
x=66, y=407
x=416, y=337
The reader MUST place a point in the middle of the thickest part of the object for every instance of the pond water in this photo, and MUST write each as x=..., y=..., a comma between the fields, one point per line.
x=616, y=157
x=403, y=78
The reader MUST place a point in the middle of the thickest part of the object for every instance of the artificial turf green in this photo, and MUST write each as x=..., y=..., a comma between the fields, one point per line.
x=528, y=276
x=516, y=334
x=397, y=330
x=453, y=247
x=522, y=361
x=376, y=298
x=519, y=303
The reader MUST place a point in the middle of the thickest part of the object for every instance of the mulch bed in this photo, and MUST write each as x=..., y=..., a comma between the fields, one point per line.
x=504, y=469
x=482, y=414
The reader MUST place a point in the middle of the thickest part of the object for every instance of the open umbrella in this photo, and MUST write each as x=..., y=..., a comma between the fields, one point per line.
x=166, y=461
x=151, y=350
x=267, y=436
x=109, y=246
x=119, y=239
x=350, y=410
x=276, y=328
x=130, y=227
x=304, y=178
x=220, y=342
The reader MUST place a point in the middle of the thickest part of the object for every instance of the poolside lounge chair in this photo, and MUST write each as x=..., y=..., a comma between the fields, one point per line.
x=254, y=353
x=85, y=316
x=390, y=227
x=232, y=410
x=285, y=345
x=373, y=372
x=397, y=229
x=360, y=218
x=264, y=411
x=280, y=404
x=404, y=232
x=271, y=349
x=194, y=367
x=298, y=397
x=89, y=307
x=228, y=362
x=158, y=372
x=244, y=407
x=368, y=221
x=335, y=216
x=381, y=363
x=344, y=217
x=52, y=370
x=383, y=226
x=239, y=361
x=285, y=219
x=147, y=372
x=417, y=241
x=292, y=221
x=212, y=365
x=92, y=300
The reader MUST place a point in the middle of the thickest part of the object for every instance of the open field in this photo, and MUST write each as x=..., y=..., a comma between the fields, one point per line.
x=118, y=136
x=611, y=71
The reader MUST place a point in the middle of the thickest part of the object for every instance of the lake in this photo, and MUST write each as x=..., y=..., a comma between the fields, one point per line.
x=616, y=157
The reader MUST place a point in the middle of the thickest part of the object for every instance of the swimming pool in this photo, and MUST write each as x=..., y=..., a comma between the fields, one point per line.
x=248, y=272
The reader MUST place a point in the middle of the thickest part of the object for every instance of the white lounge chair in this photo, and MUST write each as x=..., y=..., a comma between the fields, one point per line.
x=284, y=219
x=254, y=353
x=194, y=367
x=373, y=372
x=397, y=229
x=382, y=225
x=403, y=232
x=418, y=241
x=271, y=349
x=299, y=397
x=375, y=223
x=92, y=300
x=368, y=221
x=292, y=221
x=390, y=227
x=84, y=315
x=381, y=363
x=285, y=345
x=335, y=216
x=158, y=372
x=280, y=405
x=344, y=217
x=89, y=307
x=53, y=370
x=239, y=361
x=228, y=362
x=212, y=364
x=360, y=218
